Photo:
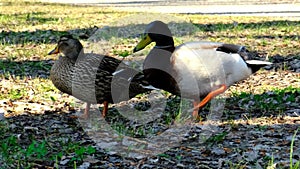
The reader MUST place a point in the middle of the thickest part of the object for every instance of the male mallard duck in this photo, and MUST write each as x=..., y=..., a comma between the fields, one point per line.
x=193, y=69
x=93, y=78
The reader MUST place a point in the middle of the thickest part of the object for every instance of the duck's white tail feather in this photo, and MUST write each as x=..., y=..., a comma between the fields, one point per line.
x=258, y=62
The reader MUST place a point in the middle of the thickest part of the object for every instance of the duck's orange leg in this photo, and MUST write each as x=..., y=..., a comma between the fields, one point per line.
x=210, y=95
x=105, y=108
x=196, y=109
x=86, y=113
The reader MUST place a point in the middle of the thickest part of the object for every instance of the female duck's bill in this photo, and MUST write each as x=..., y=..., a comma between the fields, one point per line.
x=194, y=69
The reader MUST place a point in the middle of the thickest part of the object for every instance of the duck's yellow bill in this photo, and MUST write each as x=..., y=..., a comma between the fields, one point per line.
x=54, y=51
x=143, y=43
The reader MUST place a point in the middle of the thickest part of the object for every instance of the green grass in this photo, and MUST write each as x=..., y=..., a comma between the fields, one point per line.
x=274, y=100
x=29, y=151
x=26, y=37
x=292, y=164
x=29, y=155
x=218, y=138
x=264, y=34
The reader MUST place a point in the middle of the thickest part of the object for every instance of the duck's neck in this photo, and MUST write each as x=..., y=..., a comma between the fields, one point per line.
x=166, y=46
x=165, y=43
x=74, y=56
x=169, y=48
x=81, y=54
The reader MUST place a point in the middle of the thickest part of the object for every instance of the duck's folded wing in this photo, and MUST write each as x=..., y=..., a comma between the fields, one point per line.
x=231, y=48
x=217, y=46
x=127, y=83
x=198, y=45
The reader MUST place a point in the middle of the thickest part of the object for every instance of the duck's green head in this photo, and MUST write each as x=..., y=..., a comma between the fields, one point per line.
x=158, y=32
x=68, y=46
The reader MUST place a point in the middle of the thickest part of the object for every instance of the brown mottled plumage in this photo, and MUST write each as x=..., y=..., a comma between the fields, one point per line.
x=93, y=78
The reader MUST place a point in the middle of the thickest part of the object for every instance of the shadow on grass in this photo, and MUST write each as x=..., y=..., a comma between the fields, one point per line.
x=217, y=27
x=237, y=137
x=41, y=68
x=22, y=69
x=272, y=103
x=110, y=33
x=132, y=30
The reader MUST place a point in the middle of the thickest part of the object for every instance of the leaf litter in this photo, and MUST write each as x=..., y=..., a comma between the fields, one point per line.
x=250, y=134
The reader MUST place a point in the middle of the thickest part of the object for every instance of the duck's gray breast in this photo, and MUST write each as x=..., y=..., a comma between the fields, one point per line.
x=61, y=75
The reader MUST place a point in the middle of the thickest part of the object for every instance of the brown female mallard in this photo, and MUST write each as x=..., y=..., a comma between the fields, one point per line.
x=93, y=78
x=194, y=69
